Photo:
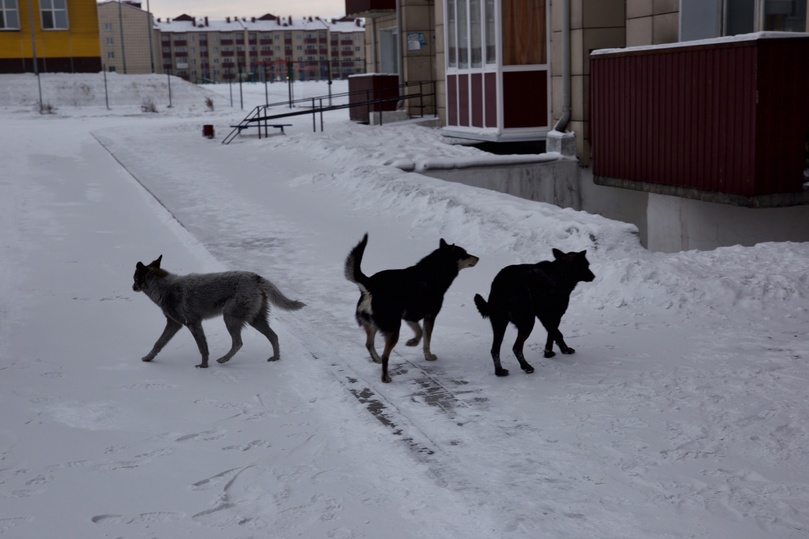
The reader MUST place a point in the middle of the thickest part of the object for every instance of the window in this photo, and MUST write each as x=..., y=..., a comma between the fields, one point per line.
x=452, y=56
x=491, y=48
x=109, y=41
x=471, y=36
x=475, y=34
x=111, y=55
x=463, y=34
x=9, y=16
x=54, y=14
x=108, y=26
x=784, y=15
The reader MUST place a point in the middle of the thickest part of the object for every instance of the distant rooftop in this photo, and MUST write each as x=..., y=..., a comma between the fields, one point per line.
x=264, y=23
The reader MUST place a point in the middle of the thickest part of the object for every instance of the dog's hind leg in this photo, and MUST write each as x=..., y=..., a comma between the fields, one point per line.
x=199, y=336
x=554, y=335
x=171, y=329
x=524, y=329
x=429, y=324
x=416, y=327
x=370, y=334
x=560, y=341
x=390, y=341
x=234, y=326
x=499, y=326
x=263, y=326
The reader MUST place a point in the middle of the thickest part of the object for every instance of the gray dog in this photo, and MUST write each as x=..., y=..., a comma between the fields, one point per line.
x=240, y=297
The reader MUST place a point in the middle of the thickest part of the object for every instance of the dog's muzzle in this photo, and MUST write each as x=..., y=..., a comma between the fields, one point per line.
x=135, y=287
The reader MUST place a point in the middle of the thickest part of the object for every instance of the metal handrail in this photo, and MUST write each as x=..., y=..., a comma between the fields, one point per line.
x=317, y=107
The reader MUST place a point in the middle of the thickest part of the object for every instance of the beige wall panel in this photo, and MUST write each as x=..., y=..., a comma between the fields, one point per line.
x=603, y=38
x=576, y=51
x=639, y=32
x=666, y=6
x=603, y=13
x=665, y=28
x=638, y=8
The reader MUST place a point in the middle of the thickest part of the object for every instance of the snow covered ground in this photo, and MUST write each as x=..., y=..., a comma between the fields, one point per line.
x=684, y=412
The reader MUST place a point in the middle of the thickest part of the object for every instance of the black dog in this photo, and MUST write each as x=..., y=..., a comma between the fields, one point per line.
x=523, y=291
x=412, y=294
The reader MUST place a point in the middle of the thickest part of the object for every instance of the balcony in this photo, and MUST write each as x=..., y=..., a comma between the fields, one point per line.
x=723, y=121
x=369, y=8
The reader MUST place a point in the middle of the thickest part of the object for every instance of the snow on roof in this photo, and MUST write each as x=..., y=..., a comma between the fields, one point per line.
x=234, y=24
x=698, y=42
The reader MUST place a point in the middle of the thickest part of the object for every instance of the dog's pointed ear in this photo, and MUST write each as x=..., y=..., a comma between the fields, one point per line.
x=139, y=266
x=156, y=263
x=583, y=253
x=442, y=244
x=557, y=254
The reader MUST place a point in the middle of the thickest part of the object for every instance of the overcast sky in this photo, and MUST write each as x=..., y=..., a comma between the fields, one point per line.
x=217, y=9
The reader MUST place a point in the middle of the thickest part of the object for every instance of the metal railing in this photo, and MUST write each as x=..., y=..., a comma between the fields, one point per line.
x=261, y=118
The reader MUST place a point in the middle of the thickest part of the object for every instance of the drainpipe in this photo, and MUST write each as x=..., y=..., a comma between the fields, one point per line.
x=374, y=45
x=561, y=125
x=399, y=47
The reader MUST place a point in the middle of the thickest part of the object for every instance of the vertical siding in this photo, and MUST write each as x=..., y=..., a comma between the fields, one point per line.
x=452, y=100
x=730, y=117
x=463, y=100
x=477, y=99
x=490, y=81
x=783, y=109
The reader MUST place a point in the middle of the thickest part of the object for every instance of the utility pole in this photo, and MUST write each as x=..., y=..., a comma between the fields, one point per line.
x=121, y=28
x=34, y=52
x=151, y=31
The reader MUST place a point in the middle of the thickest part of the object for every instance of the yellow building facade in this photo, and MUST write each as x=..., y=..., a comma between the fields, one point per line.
x=61, y=34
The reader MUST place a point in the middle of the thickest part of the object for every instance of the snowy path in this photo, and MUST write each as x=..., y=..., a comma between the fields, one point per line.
x=446, y=414
x=677, y=417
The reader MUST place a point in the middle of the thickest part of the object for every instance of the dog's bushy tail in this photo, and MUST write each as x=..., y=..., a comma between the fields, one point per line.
x=278, y=299
x=353, y=261
x=482, y=306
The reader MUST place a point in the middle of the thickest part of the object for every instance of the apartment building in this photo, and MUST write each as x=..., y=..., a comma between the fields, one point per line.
x=130, y=41
x=255, y=48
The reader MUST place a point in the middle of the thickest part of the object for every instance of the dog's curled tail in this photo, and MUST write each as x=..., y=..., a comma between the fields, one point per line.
x=352, y=265
x=278, y=299
x=482, y=306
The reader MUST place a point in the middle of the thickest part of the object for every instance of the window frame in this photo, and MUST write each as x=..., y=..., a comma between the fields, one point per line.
x=49, y=7
x=15, y=8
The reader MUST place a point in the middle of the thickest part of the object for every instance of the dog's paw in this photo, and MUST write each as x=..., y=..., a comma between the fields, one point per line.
x=568, y=351
x=274, y=358
x=386, y=378
x=501, y=372
x=202, y=366
x=429, y=356
x=549, y=353
x=413, y=342
x=147, y=359
x=527, y=368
